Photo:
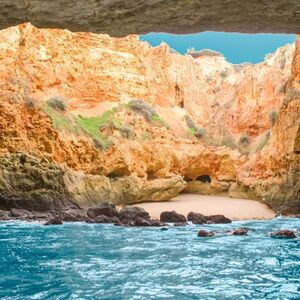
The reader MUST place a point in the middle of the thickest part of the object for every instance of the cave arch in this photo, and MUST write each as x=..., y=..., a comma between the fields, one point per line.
x=204, y=178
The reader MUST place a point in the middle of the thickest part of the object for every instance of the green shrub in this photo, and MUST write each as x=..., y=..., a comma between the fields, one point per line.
x=200, y=133
x=190, y=123
x=144, y=109
x=273, y=116
x=29, y=102
x=263, y=141
x=58, y=103
x=223, y=75
x=126, y=132
x=282, y=89
x=157, y=118
x=244, y=140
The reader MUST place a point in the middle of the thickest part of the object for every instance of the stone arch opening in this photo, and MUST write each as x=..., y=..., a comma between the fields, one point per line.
x=204, y=178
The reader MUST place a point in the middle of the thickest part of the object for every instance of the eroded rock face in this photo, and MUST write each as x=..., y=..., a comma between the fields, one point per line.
x=197, y=117
x=119, y=18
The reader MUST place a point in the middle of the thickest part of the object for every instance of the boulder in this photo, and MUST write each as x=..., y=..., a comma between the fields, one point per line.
x=283, y=233
x=240, y=231
x=131, y=213
x=104, y=208
x=172, y=217
x=218, y=219
x=20, y=213
x=4, y=215
x=205, y=233
x=73, y=216
x=54, y=221
x=197, y=218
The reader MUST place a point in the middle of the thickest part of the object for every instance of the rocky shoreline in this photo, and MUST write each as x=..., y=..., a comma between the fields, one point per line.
x=133, y=216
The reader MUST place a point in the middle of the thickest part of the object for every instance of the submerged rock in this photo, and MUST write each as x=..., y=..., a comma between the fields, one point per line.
x=172, y=217
x=240, y=231
x=283, y=233
x=105, y=208
x=104, y=219
x=205, y=233
x=196, y=218
x=218, y=219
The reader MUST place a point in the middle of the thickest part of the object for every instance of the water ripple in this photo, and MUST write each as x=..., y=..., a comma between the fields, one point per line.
x=94, y=261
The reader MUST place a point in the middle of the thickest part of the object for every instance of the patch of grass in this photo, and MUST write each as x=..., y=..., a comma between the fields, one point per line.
x=157, y=118
x=263, y=141
x=91, y=125
x=146, y=136
x=60, y=121
x=58, y=103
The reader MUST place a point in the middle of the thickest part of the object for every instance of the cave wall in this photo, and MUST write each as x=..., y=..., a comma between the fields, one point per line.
x=120, y=18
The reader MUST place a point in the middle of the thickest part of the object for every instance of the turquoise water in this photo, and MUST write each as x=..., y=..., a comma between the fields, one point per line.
x=94, y=261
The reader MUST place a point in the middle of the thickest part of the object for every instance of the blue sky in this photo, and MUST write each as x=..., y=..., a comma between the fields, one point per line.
x=236, y=47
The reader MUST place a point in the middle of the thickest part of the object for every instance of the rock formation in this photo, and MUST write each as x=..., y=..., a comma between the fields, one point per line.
x=120, y=18
x=87, y=118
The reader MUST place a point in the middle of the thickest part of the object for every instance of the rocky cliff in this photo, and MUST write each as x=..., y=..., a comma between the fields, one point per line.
x=87, y=118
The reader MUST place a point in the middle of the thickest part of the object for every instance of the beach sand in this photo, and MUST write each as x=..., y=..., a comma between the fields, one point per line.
x=235, y=209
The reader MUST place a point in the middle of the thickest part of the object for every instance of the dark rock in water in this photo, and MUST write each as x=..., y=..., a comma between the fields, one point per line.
x=218, y=219
x=240, y=231
x=141, y=222
x=172, y=217
x=4, y=215
x=283, y=233
x=164, y=229
x=129, y=213
x=54, y=221
x=197, y=218
x=105, y=208
x=205, y=233
x=104, y=219
x=178, y=224
x=297, y=216
x=20, y=213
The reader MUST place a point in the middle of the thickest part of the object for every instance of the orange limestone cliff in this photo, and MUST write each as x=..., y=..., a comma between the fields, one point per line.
x=117, y=119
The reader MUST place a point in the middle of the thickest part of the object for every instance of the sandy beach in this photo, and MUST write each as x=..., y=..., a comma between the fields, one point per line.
x=235, y=209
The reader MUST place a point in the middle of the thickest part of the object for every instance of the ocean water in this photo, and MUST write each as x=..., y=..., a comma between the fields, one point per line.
x=95, y=261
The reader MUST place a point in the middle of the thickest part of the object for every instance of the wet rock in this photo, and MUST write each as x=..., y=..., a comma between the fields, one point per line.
x=20, y=213
x=141, y=222
x=283, y=233
x=131, y=213
x=172, y=217
x=54, y=221
x=4, y=215
x=197, y=218
x=218, y=219
x=240, y=231
x=104, y=219
x=297, y=216
x=105, y=208
x=69, y=216
x=205, y=233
